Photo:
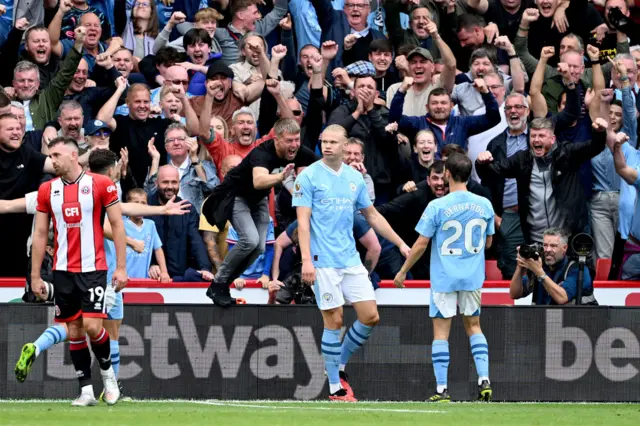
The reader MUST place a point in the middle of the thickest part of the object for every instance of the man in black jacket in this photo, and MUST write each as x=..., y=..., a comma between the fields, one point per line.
x=548, y=186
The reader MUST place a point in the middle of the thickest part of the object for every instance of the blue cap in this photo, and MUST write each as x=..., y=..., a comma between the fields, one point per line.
x=93, y=126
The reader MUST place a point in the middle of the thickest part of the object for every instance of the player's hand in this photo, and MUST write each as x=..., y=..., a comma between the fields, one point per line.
x=308, y=273
x=484, y=157
x=405, y=250
x=600, y=124
x=154, y=272
x=239, y=283
x=176, y=209
x=137, y=245
x=39, y=288
x=398, y=281
x=206, y=275
x=619, y=66
x=165, y=278
x=409, y=187
x=119, y=279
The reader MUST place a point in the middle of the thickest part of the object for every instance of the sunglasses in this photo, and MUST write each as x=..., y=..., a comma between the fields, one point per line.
x=180, y=82
x=102, y=134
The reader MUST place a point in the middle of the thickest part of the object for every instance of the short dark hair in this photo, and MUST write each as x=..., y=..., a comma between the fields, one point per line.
x=438, y=91
x=451, y=148
x=405, y=49
x=33, y=29
x=616, y=102
x=437, y=167
x=168, y=56
x=240, y=5
x=467, y=21
x=459, y=165
x=101, y=160
x=64, y=140
x=135, y=191
x=481, y=52
x=380, y=45
x=196, y=35
x=7, y=115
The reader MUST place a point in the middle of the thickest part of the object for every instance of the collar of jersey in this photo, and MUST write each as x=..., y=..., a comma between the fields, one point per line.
x=337, y=173
x=75, y=181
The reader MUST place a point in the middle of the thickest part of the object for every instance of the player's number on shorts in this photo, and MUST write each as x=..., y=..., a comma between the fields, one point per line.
x=96, y=293
x=468, y=237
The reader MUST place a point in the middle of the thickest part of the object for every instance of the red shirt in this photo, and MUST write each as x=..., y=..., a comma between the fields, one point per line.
x=77, y=210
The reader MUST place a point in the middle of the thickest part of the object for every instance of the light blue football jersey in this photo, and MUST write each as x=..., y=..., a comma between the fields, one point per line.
x=635, y=221
x=458, y=225
x=333, y=197
x=137, y=263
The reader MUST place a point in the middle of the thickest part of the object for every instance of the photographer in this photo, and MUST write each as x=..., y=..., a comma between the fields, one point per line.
x=553, y=282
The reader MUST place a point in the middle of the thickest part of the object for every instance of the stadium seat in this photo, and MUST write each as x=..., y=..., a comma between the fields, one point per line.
x=632, y=299
x=496, y=299
x=491, y=270
x=603, y=266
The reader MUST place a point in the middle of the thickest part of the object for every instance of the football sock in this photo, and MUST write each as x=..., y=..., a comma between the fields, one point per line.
x=81, y=358
x=51, y=336
x=331, y=354
x=101, y=349
x=440, y=359
x=115, y=356
x=353, y=340
x=480, y=352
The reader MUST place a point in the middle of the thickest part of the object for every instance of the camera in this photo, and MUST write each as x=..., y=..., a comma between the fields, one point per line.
x=301, y=293
x=582, y=245
x=530, y=251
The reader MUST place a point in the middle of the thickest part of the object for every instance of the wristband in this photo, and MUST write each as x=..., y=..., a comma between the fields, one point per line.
x=195, y=163
x=521, y=28
x=513, y=57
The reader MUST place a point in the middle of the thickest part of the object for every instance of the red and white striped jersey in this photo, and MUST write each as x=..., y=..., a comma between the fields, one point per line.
x=77, y=210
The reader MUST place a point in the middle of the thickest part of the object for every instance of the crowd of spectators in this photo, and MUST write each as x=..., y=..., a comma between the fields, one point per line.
x=541, y=95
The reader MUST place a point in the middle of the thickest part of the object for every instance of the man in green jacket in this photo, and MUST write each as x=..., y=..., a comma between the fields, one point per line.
x=42, y=106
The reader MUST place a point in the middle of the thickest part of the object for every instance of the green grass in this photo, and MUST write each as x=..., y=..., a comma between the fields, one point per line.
x=253, y=413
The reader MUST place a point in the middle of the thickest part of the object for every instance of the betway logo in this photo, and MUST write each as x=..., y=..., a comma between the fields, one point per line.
x=613, y=352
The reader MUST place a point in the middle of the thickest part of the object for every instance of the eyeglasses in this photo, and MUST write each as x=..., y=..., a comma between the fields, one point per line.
x=143, y=4
x=102, y=134
x=359, y=6
x=172, y=140
x=495, y=86
x=516, y=107
x=180, y=82
x=297, y=112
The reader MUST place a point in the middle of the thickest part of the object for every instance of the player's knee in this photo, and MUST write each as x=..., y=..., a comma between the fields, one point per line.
x=371, y=320
x=75, y=330
x=334, y=321
x=93, y=328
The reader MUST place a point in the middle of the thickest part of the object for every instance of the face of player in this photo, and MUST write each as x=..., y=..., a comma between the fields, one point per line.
x=249, y=55
x=209, y=26
x=480, y=67
x=575, y=63
x=123, y=61
x=226, y=87
x=516, y=112
x=471, y=38
x=217, y=126
x=615, y=117
x=439, y=107
x=170, y=105
x=71, y=122
x=26, y=84
x=420, y=69
x=305, y=61
x=249, y=16
x=547, y=7
x=287, y=145
x=425, y=148
x=175, y=144
x=496, y=87
x=437, y=184
x=139, y=103
x=38, y=46
x=332, y=145
x=632, y=73
x=568, y=43
x=353, y=153
x=94, y=30
x=419, y=19
x=10, y=134
x=80, y=77
x=19, y=112
x=541, y=141
x=168, y=183
x=100, y=140
x=554, y=249
x=381, y=60
x=357, y=12
x=64, y=159
x=244, y=129
x=198, y=52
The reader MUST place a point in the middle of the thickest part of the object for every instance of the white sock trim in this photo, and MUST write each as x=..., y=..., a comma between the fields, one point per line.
x=334, y=387
x=482, y=379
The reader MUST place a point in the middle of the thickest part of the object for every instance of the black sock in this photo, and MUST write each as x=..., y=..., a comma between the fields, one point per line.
x=101, y=347
x=81, y=358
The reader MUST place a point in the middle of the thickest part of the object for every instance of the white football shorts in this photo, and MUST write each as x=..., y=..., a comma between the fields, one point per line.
x=444, y=305
x=333, y=286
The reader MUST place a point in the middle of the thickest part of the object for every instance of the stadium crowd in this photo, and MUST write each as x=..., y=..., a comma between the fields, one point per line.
x=182, y=91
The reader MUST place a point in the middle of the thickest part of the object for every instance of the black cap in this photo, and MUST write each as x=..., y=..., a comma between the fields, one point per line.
x=219, y=67
x=93, y=126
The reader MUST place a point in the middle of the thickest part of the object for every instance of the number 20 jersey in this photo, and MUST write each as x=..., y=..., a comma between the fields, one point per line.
x=77, y=210
x=458, y=225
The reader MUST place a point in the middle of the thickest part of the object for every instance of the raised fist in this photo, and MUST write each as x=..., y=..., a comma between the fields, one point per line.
x=600, y=124
x=485, y=157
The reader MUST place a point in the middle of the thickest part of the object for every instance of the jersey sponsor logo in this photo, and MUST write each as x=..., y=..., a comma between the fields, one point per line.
x=97, y=306
x=337, y=203
x=111, y=188
x=56, y=193
x=72, y=214
x=86, y=190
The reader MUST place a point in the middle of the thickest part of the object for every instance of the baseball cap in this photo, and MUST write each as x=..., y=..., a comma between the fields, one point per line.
x=422, y=52
x=93, y=126
x=219, y=67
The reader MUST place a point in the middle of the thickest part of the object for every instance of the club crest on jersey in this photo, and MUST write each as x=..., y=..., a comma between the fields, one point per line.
x=352, y=186
x=86, y=190
x=57, y=311
x=297, y=186
x=327, y=297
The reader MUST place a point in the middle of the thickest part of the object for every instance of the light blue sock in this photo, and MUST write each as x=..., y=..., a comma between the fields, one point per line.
x=440, y=359
x=353, y=340
x=51, y=336
x=480, y=352
x=331, y=354
x=115, y=356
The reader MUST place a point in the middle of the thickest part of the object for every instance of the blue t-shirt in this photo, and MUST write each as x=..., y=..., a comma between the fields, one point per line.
x=458, y=225
x=333, y=198
x=67, y=45
x=635, y=222
x=570, y=284
x=137, y=263
x=6, y=20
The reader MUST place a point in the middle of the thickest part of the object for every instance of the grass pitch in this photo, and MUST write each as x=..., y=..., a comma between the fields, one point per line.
x=292, y=413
